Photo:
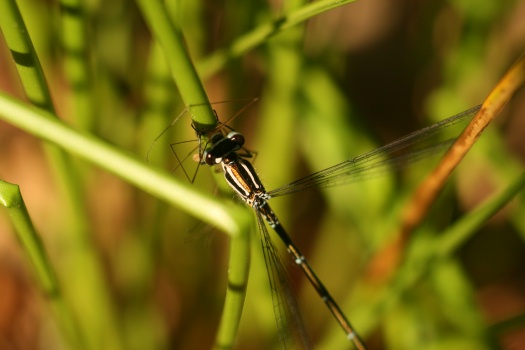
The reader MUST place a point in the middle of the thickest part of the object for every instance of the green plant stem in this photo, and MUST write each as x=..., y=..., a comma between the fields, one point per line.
x=235, y=220
x=96, y=319
x=235, y=294
x=459, y=233
x=170, y=37
x=11, y=198
x=76, y=61
x=24, y=56
x=36, y=89
x=154, y=181
x=217, y=60
x=159, y=107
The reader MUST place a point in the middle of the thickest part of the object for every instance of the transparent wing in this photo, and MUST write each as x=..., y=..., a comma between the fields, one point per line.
x=378, y=161
x=291, y=330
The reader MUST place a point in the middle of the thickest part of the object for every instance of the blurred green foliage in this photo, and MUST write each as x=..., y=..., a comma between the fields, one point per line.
x=346, y=81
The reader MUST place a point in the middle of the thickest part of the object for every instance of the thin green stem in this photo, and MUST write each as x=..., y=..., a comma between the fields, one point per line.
x=96, y=318
x=458, y=234
x=159, y=107
x=11, y=199
x=36, y=89
x=235, y=294
x=434, y=250
x=260, y=35
x=76, y=60
x=24, y=55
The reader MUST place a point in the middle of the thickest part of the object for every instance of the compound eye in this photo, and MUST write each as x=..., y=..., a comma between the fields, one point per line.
x=236, y=138
x=210, y=159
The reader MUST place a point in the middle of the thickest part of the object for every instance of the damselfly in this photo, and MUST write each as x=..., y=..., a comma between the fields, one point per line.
x=224, y=149
x=242, y=178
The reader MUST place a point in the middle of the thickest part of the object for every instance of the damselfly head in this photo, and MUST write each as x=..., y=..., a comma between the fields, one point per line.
x=209, y=146
x=223, y=147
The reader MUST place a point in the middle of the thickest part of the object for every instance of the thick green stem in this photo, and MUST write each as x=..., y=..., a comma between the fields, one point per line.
x=170, y=37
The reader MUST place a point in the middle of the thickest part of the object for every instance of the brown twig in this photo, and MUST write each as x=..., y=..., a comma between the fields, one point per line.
x=388, y=258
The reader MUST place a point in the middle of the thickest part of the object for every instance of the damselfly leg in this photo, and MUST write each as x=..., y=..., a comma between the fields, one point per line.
x=193, y=149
